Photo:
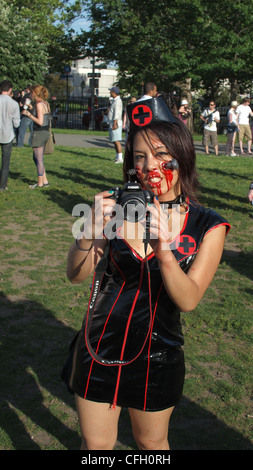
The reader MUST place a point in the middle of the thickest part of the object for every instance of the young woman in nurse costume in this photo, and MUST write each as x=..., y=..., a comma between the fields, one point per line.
x=129, y=352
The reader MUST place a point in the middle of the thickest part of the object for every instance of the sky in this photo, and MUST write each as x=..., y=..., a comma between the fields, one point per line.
x=78, y=25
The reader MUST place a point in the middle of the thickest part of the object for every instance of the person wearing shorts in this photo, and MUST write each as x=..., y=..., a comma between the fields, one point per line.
x=244, y=111
x=115, y=123
x=210, y=117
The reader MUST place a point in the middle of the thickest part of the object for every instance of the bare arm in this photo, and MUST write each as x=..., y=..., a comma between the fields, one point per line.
x=40, y=111
x=186, y=290
x=84, y=255
x=80, y=263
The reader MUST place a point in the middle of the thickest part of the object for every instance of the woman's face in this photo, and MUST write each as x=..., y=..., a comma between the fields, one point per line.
x=33, y=96
x=150, y=156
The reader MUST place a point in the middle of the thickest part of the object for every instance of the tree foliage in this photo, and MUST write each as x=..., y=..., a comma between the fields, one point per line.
x=174, y=40
x=49, y=22
x=168, y=41
x=23, y=55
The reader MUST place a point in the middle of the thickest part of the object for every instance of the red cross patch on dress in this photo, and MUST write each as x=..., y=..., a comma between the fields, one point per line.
x=185, y=244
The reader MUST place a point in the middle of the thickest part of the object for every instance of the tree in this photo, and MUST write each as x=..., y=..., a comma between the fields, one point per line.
x=226, y=47
x=23, y=55
x=173, y=40
x=148, y=39
x=51, y=20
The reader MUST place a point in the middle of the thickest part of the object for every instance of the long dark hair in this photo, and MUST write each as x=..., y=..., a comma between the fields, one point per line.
x=179, y=143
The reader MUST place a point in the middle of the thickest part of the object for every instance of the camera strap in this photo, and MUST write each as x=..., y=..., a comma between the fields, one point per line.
x=146, y=237
x=99, y=272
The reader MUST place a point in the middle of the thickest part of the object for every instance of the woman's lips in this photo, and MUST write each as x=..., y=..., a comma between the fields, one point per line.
x=154, y=179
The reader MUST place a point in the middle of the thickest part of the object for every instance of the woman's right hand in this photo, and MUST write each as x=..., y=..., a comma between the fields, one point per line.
x=100, y=214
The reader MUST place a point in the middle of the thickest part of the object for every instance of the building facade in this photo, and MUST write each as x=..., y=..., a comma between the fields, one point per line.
x=80, y=78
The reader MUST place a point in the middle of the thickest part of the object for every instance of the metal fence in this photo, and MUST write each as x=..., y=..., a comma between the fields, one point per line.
x=68, y=114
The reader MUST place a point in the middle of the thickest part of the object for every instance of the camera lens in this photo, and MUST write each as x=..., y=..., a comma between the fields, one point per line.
x=134, y=210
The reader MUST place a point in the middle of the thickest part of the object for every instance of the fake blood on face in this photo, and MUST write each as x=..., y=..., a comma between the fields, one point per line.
x=168, y=174
x=155, y=178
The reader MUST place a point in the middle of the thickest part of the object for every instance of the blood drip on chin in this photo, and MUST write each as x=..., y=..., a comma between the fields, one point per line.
x=168, y=175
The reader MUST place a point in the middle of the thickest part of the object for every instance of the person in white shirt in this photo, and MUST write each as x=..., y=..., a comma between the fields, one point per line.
x=210, y=117
x=9, y=118
x=150, y=91
x=244, y=111
x=232, y=128
x=115, y=122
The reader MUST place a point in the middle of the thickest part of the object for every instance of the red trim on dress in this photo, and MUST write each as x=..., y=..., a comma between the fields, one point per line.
x=149, y=347
x=125, y=337
x=91, y=366
x=220, y=225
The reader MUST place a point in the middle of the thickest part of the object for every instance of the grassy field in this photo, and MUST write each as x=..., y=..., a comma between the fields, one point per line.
x=222, y=138
x=41, y=310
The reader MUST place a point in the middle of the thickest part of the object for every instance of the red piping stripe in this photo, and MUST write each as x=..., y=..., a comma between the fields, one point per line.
x=91, y=366
x=219, y=225
x=125, y=337
x=146, y=385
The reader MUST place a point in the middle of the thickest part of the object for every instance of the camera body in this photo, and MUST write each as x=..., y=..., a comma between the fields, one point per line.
x=133, y=200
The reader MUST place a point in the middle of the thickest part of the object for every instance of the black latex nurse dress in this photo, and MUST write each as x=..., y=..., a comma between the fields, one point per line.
x=136, y=323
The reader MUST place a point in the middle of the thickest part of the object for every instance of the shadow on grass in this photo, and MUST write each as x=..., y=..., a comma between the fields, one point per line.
x=17, y=175
x=218, y=199
x=36, y=408
x=75, y=175
x=81, y=153
x=239, y=261
x=66, y=200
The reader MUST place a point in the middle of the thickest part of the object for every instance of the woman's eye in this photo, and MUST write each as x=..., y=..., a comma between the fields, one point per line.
x=162, y=154
x=139, y=157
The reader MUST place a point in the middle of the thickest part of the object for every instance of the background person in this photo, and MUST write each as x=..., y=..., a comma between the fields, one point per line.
x=250, y=193
x=126, y=122
x=211, y=118
x=41, y=121
x=115, y=122
x=9, y=119
x=244, y=112
x=55, y=115
x=150, y=91
x=232, y=128
x=184, y=112
x=26, y=122
x=136, y=316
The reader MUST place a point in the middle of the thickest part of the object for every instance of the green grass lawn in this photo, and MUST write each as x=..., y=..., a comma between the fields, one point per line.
x=222, y=138
x=41, y=310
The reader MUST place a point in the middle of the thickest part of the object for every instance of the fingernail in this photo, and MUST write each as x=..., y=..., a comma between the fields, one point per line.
x=110, y=192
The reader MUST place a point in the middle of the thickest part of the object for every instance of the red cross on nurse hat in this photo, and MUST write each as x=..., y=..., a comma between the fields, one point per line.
x=144, y=112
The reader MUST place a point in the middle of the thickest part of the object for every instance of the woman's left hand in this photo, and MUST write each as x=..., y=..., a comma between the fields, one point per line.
x=160, y=236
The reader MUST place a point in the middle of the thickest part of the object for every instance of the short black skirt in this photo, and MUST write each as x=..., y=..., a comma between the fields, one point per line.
x=156, y=387
x=40, y=138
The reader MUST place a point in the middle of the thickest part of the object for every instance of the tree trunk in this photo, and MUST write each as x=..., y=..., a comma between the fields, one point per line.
x=233, y=89
x=189, y=99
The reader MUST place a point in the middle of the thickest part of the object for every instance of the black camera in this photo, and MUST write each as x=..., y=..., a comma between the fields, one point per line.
x=133, y=200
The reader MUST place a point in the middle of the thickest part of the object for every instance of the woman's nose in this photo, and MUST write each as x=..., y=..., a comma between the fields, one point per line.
x=151, y=161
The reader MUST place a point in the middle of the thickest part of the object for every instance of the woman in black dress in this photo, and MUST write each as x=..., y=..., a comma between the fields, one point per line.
x=41, y=121
x=129, y=352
